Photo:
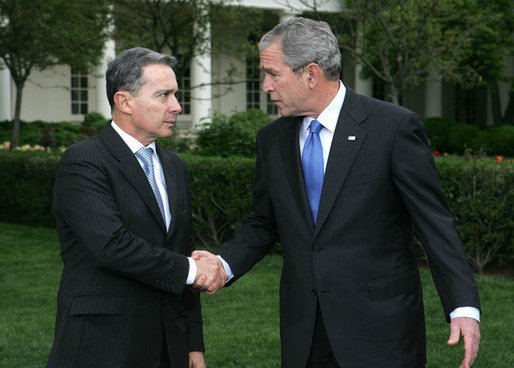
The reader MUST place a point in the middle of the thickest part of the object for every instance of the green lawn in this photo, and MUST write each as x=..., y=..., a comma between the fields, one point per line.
x=241, y=322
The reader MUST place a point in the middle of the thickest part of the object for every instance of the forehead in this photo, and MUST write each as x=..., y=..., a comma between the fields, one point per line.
x=272, y=57
x=159, y=75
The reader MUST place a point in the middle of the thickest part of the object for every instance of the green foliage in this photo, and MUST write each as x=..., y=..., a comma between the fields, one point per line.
x=448, y=136
x=221, y=195
x=479, y=192
x=498, y=140
x=51, y=135
x=27, y=180
x=481, y=198
x=462, y=137
x=93, y=123
x=234, y=136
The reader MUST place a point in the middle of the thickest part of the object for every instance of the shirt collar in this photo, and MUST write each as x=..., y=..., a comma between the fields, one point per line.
x=328, y=117
x=132, y=142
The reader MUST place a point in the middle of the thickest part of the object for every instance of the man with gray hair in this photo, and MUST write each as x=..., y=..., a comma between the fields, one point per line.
x=341, y=180
x=123, y=212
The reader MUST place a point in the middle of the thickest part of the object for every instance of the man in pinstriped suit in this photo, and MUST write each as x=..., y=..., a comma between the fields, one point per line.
x=124, y=298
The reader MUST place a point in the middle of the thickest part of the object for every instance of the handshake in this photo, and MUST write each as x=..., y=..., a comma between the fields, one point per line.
x=211, y=275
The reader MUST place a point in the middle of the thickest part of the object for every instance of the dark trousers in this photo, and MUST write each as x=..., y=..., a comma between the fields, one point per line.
x=165, y=359
x=321, y=355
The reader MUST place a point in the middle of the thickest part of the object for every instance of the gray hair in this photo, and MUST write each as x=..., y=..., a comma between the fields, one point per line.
x=124, y=73
x=306, y=41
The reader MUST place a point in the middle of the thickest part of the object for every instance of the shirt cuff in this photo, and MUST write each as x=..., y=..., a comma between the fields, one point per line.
x=470, y=312
x=193, y=269
x=228, y=270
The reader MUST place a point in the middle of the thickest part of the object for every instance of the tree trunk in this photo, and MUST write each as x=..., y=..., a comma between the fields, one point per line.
x=508, y=117
x=394, y=95
x=495, y=101
x=17, y=111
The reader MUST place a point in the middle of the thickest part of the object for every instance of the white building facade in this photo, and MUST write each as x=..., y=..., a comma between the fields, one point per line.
x=60, y=94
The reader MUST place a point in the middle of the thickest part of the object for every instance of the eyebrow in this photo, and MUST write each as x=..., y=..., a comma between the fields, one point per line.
x=166, y=91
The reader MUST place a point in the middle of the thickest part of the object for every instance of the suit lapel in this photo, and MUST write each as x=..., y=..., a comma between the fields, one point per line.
x=347, y=141
x=291, y=159
x=131, y=169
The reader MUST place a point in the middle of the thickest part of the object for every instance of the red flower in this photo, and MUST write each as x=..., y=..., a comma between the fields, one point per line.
x=437, y=153
x=499, y=159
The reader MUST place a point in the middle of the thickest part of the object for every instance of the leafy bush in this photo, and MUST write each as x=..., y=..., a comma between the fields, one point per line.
x=437, y=133
x=479, y=191
x=27, y=180
x=42, y=133
x=498, y=140
x=234, y=136
x=93, y=123
x=447, y=136
x=462, y=137
x=481, y=198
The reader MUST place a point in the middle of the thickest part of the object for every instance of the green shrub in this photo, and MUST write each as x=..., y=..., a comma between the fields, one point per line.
x=42, y=133
x=479, y=193
x=498, y=140
x=234, y=136
x=437, y=133
x=221, y=191
x=481, y=198
x=462, y=137
x=93, y=123
x=27, y=180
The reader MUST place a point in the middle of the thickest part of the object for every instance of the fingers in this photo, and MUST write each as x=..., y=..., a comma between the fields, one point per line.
x=469, y=329
x=210, y=275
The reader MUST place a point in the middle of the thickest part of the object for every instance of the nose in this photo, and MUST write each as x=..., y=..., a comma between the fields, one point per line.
x=175, y=105
x=267, y=85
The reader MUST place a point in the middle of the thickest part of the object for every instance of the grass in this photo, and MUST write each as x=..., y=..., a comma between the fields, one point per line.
x=240, y=322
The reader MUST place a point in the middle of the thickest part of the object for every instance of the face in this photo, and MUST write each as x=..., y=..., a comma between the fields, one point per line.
x=288, y=90
x=155, y=107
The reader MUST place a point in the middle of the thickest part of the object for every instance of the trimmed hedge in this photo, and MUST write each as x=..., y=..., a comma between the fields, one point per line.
x=479, y=192
x=448, y=136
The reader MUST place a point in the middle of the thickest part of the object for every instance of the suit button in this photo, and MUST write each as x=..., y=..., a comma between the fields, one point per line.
x=313, y=291
x=316, y=250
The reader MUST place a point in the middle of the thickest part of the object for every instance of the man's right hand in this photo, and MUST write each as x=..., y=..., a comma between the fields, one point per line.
x=211, y=275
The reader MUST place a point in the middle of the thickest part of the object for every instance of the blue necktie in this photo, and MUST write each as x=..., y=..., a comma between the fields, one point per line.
x=313, y=171
x=145, y=155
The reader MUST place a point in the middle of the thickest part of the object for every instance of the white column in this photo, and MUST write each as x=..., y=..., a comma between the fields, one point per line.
x=201, y=83
x=364, y=87
x=5, y=94
x=102, y=104
x=434, y=96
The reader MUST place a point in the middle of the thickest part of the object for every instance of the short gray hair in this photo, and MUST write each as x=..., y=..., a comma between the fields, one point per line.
x=125, y=72
x=306, y=41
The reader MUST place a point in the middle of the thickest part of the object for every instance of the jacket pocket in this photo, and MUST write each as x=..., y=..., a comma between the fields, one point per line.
x=392, y=285
x=97, y=305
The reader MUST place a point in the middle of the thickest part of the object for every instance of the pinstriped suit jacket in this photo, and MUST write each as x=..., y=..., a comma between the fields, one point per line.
x=122, y=289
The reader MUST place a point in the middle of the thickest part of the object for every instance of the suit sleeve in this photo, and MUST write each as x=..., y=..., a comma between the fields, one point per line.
x=85, y=207
x=257, y=235
x=415, y=175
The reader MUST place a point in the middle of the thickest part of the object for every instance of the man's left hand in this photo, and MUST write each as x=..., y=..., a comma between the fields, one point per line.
x=469, y=329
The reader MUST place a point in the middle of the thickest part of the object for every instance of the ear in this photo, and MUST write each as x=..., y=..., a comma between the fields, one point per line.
x=313, y=73
x=123, y=102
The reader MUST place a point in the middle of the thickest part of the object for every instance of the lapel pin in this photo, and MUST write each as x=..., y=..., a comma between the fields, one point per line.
x=352, y=138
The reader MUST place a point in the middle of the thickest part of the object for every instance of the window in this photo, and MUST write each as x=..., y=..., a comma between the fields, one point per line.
x=184, y=86
x=255, y=97
x=79, y=93
x=253, y=84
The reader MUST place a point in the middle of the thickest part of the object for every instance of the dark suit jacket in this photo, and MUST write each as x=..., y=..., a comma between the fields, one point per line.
x=122, y=289
x=359, y=260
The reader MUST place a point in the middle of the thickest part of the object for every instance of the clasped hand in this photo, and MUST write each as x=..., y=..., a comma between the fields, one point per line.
x=211, y=275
